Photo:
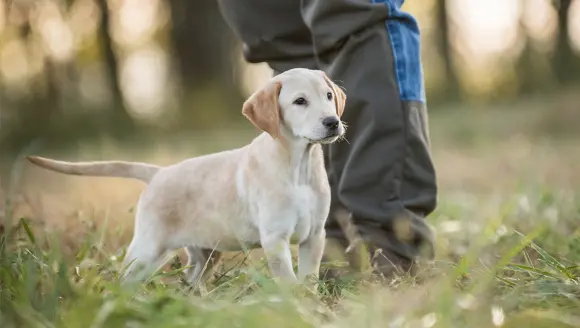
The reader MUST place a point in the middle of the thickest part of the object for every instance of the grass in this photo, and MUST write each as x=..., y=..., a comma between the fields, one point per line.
x=508, y=250
x=517, y=268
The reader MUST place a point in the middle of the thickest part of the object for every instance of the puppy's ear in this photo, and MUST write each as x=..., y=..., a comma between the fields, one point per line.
x=262, y=109
x=339, y=95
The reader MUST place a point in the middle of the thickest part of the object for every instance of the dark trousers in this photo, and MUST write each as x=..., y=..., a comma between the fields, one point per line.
x=384, y=174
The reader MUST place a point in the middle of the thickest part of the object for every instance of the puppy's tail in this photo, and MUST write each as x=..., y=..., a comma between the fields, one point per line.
x=140, y=171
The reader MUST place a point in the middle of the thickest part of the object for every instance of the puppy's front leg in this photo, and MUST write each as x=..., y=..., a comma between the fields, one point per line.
x=277, y=250
x=310, y=255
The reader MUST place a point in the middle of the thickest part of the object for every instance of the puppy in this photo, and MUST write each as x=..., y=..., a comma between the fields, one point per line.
x=269, y=193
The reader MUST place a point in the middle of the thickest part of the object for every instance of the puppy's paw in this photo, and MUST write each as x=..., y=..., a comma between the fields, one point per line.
x=311, y=282
x=308, y=290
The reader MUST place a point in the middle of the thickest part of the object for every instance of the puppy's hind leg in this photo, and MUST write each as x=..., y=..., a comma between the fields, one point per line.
x=200, y=258
x=143, y=257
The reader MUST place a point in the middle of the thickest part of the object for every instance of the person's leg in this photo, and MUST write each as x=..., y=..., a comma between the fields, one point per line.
x=271, y=31
x=384, y=172
x=384, y=175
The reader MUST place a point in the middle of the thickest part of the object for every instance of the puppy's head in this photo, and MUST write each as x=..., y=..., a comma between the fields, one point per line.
x=298, y=104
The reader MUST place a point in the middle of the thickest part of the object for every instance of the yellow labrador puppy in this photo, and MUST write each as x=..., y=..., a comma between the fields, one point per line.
x=269, y=193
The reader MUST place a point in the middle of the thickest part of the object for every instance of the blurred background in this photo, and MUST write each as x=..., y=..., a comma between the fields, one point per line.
x=160, y=81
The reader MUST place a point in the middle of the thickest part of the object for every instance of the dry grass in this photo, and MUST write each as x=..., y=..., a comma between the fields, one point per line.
x=508, y=242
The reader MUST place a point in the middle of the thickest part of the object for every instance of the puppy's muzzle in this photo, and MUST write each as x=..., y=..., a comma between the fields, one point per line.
x=332, y=125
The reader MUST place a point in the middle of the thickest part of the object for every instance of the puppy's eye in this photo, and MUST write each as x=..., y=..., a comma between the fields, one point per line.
x=329, y=96
x=300, y=101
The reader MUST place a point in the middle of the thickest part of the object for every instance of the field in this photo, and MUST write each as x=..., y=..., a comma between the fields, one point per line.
x=508, y=240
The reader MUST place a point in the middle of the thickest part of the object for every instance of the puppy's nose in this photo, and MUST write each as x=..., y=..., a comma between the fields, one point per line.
x=330, y=122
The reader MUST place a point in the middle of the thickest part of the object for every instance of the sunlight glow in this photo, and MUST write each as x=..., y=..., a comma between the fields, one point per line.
x=55, y=32
x=144, y=65
x=486, y=35
x=574, y=21
x=83, y=20
x=135, y=21
x=253, y=76
x=488, y=27
x=540, y=19
x=143, y=77
x=13, y=61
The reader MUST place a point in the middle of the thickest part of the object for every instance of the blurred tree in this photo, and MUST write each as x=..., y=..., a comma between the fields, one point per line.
x=203, y=47
x=202, y=42
x=565, y=62
x=22, y=119
x=120, y=118
x=451, y=86
x=26, y=121
x=40, y=114
x=528, y=76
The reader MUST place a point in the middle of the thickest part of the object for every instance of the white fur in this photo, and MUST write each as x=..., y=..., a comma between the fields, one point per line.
x=269, y=193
